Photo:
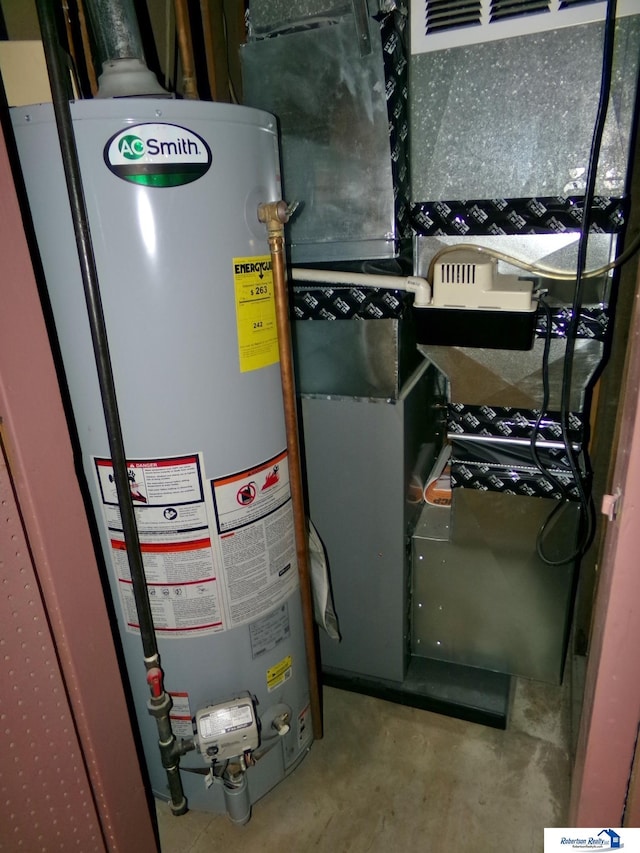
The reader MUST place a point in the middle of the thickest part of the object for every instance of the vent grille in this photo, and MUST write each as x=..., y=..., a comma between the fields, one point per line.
x=502, y=9
x=441, y=24
x=458, y=273
x=448, y=14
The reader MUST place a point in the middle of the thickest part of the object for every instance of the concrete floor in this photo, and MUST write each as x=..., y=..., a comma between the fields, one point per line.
x=386, y=777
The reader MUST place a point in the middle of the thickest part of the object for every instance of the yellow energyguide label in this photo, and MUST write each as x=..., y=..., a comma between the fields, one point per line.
x=255, y=313
x=279, y=673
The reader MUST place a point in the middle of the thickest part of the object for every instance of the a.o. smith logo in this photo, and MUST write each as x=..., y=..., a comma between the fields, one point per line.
x=160, y=155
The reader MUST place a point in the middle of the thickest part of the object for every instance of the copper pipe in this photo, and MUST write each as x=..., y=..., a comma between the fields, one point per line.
x=236, y=35
x=70, y=43
x=215, y=48
x=185, y=44
x=169, y=48
x=67, y=26
x=86, y=46
x=274, y=215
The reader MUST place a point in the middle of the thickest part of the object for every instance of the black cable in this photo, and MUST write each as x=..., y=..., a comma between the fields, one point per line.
x=544, y=407
x=586, y=525
x=564, y=498
x=545, y=394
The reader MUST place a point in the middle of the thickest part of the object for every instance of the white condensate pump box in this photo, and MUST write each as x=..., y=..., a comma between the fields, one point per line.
x=465, y=283
x=475, y=306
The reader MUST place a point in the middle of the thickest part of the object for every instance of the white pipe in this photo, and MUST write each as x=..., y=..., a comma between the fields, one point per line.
x=420, y=287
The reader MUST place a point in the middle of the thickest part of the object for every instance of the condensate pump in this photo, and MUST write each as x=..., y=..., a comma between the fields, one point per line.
x=474, y=305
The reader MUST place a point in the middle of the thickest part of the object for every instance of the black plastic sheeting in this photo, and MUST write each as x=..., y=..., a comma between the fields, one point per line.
x=542, y=215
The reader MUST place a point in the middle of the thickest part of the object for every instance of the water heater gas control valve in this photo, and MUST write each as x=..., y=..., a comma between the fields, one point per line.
x=227, y=729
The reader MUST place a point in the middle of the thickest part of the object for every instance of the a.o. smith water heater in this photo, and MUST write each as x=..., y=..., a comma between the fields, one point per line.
x=172, y=190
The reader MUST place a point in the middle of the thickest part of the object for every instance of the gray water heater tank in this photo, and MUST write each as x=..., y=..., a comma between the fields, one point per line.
x=172, y=190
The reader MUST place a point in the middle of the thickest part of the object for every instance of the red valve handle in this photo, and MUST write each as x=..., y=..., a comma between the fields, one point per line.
x=154, y=680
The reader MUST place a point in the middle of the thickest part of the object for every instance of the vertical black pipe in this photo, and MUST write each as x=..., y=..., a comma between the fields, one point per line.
x=160, y=701
x=60, y=96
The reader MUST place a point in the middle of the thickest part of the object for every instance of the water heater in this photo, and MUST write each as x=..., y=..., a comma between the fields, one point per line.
x=172, y=190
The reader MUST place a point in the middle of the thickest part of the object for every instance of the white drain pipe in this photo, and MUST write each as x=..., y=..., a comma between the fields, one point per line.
x=420, y=287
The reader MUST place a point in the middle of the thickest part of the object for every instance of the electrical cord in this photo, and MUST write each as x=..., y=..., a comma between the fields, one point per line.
x=586, y=524
x=545, y=399
x=586, y=500
x=587, y=513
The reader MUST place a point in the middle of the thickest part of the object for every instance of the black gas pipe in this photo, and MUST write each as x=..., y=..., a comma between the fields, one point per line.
x=160, y=701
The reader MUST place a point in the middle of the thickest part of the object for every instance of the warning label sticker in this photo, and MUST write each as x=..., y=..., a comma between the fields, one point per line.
x=305, y=731
x=266, y=633
x=250, y=495
x=278, y=674
x=255, y=313
x=180, y=715
x=257, y=541
x=178, y=555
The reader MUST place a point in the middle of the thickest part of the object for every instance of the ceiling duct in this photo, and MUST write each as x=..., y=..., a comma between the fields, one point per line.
x=120, y=54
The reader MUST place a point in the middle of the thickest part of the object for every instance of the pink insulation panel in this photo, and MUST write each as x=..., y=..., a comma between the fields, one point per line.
x=45, y=796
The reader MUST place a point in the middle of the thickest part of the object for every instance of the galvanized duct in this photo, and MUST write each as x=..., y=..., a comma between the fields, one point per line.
x=120, y=54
